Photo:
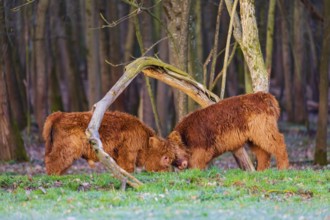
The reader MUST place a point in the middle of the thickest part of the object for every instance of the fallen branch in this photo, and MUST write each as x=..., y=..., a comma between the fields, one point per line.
x=159, y=70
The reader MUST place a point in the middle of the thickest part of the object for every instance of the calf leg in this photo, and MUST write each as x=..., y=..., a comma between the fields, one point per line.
x=127, y=159
x=200, y=158
x=263, y=157
x=271, y=141
x=60, y=159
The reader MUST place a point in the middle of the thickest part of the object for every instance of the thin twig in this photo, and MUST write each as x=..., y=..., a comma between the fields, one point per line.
x=221, y=72
x=207, y=61
x=115, y=65
x=215, y=47
x=120, y=20
x=147, y=80
x=22, y=5
x=225, y=64
x=155, y=44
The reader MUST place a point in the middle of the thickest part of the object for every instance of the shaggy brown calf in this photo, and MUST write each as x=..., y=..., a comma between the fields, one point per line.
x=130, y=142
x=226, y=126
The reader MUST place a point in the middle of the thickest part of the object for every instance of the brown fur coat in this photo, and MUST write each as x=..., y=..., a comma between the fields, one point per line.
x=130, y=142
x=227, y=126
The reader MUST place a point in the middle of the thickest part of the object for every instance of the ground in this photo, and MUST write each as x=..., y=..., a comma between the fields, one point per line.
x=220, y=192
x=300, y=145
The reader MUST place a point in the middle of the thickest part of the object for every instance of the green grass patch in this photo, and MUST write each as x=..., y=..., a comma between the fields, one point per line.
x=193, y=194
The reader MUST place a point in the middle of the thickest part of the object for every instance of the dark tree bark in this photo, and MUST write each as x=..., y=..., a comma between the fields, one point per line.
x=147, y=32
x=93, y=55
x=300, y=109
x=177, y=13
x=165, y=93
x=40, y=76
x=11, y=143
x=14, y=66
x=286, y=61
x=116, y=53
x=320, y=156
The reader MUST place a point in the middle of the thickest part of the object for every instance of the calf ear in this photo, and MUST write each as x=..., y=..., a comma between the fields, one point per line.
x=153, y=142
x=175, y=137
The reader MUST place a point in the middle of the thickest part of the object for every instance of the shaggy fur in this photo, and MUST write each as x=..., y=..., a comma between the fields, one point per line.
x=227, y=126
x=124, y=137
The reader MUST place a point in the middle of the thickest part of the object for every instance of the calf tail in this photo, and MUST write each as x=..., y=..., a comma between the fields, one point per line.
x=273, y=105
x=48, y=131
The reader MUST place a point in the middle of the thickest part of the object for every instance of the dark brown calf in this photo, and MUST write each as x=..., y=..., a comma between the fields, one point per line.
x=227, y=126
x=130, y=142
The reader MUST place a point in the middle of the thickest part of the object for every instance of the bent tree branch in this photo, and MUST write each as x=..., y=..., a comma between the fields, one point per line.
x=168, y=74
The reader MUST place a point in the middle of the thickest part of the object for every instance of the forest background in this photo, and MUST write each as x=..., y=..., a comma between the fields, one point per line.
x=65, y=55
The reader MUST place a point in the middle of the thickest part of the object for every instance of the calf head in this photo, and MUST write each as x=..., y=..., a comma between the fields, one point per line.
x=181, y=152
x=160, y=155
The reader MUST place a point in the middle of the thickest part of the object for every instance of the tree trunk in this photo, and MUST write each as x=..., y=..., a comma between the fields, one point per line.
x=300, y=111
x=65, y=65
x=104, y=8
x=40, y=79
x=320, y=156
x=165, y=93
x=147, y=31
x=195, y=49
x=77, y=50
x=11, y=143
x=15, y=64
x=93, y=56
x=115, y=53
x=177, y=13
x=270, y=36
x=246, y=34
x=286, y=61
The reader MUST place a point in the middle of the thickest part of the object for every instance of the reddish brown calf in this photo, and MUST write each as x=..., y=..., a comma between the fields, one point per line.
x=124, y=137
x=227, y=126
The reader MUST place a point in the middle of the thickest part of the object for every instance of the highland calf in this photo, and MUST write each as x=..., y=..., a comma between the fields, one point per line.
x=125, y=138
x=227, y=126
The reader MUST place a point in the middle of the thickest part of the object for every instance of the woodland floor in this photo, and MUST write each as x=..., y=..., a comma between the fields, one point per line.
x=300, y=145
x=220, y=192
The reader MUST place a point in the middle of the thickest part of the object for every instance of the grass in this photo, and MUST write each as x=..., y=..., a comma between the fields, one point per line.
x=193, y=194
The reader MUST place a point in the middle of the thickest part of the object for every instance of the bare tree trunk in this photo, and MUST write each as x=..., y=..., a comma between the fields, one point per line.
x=15, y=64
x=104, y=8
x=40, y=80
x=246, y=34
x=320, y=156
x=270, y=36
x=115, y=53
x=132, y=101
x=313, y=69
x=195, y=48
x=129, y=41
x=147, y=31
x=177, y=13
x=11, y=143
x=286, y=61
x=300, y=115
x=65, y=65
x=77, y=50
x=93, y=57
x=165, y=93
